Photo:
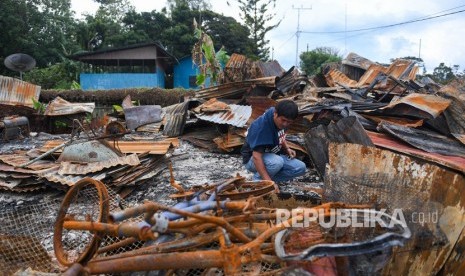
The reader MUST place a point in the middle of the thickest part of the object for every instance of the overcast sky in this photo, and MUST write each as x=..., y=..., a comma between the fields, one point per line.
x=436, y=37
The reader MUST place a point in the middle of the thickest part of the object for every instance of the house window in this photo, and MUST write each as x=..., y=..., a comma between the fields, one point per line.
x=193, y=81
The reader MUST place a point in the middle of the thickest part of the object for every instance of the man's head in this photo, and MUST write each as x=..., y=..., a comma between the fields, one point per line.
x=285, y=113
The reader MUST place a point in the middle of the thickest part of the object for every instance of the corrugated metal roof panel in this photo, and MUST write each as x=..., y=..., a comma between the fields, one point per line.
x=79, y=169
x=290, y=80
x=228, y=142
x=152, y=147
x=385, y=141
x=403, y=69
x=59, y=107
x=26, y=189
x=335, y=77
x=270, y=69
x=18, y=159
x=238, y=68
x=433, y=105
x=370, y=74
x=236, y=61
x=259, y=105
x=234, y=89
x=175, y=119
x=238, y=116
x=17, y=92
x=355, y=60
x=52, y=175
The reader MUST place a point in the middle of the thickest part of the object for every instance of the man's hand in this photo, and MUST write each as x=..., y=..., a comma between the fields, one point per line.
x=291, y=152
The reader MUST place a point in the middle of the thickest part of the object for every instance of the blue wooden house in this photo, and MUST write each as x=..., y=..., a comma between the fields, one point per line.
x=135, y=66
x=185, y=73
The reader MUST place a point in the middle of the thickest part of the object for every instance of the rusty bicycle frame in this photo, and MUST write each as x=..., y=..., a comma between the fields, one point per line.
x=237, y=245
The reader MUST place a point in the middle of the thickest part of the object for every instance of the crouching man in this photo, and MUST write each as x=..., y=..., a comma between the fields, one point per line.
x=265, y=151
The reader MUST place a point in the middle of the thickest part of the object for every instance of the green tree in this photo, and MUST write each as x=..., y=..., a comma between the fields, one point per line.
x=62, y=75
x=443, y=74
x=106, y=28
x=257, y=19
x=226, y=32
x=173, y=28
x=40, y=28
x=311, y=61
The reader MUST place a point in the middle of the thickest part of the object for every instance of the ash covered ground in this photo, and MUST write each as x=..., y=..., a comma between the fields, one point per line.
x=191, y=166
x=34, y=213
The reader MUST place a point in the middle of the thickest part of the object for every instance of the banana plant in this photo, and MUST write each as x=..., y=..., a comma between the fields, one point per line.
x=205, y=57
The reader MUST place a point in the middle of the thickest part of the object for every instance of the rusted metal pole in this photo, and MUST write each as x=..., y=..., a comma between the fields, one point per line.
x=45, y=154
x=185, y=260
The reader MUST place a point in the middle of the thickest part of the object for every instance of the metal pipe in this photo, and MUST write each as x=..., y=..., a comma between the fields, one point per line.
x=185, y=260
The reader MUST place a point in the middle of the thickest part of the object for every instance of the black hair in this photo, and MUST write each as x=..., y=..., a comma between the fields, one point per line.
x=288, y=109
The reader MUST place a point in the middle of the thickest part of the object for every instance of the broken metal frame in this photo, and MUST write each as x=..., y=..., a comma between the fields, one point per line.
x=233, y=232
x=385, y=240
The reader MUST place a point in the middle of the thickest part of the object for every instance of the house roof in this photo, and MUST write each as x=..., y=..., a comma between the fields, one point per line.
x=110, y=53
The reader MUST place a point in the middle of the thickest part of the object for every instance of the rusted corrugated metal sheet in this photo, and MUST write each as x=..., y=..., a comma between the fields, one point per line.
x=292, y=80
x=395, y=120
x=238, y=68
x=424, y=139
x=403, y=69
x=152, y=147
x=8, y=168
x=384, y=141
x=346, y=130
x=370, y=74
x=59, y=107
x=81, y=169
x=24, y=189
x=355, y=60
x=228, y=142
x=259, y=106
x=454, y=114
x=19, y=158
x=154, y=128
x=431, y=104
x=175, y=119
x=17, y=92
x=413, y=186
x=235, y=89
x=52, y=175
x=334, y=77
x=269, y=69
x=237, y=116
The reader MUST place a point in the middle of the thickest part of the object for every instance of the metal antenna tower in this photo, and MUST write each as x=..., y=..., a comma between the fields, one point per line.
x=297, y=34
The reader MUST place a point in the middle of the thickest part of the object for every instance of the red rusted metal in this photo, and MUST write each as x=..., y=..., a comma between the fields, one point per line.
x=384, y=141
x=17, y=92
x=140, y=231
x=58, y=243
x=184, y=260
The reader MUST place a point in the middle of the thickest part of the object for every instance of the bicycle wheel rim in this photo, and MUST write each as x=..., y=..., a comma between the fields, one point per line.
x=86, y=200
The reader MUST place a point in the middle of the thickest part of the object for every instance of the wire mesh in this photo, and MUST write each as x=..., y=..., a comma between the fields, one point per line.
x=385, y=191
x=26, y=234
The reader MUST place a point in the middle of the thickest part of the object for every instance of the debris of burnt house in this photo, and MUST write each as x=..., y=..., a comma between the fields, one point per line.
x=379, y=138
x=14, y=127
